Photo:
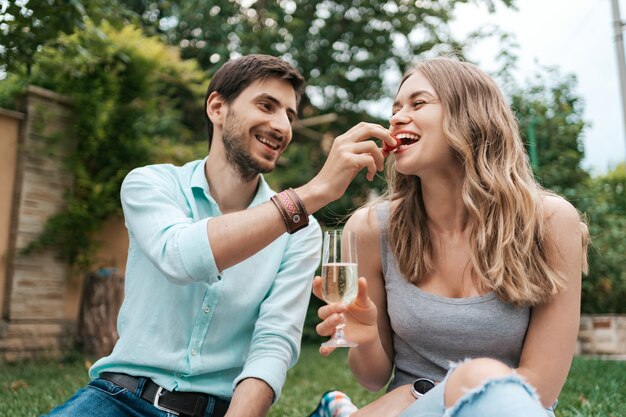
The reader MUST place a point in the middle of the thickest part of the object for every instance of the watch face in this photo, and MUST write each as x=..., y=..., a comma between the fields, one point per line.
x=423, y=385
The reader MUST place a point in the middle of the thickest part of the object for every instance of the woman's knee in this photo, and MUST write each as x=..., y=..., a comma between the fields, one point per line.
x=470, y=375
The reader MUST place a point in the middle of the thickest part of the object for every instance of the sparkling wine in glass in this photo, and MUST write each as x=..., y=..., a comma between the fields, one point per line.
x=339, y=277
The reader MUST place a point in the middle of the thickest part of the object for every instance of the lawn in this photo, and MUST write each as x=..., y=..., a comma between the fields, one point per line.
x=595, y=388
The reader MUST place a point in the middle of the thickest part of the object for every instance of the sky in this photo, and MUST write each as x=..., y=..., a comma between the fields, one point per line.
x=577, y=37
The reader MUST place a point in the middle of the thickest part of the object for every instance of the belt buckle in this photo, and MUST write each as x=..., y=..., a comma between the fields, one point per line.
x=159, y=407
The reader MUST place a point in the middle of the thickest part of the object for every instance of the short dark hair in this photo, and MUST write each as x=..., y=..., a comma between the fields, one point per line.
x=237, y=74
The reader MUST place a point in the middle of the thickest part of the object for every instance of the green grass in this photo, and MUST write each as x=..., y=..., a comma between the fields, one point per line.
x=595, y=388
x=32, y=388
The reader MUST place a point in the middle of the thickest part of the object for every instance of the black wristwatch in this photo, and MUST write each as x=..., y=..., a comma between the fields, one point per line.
x=421, y=386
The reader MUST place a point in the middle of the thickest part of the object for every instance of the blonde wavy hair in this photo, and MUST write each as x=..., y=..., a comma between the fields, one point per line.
x=500, y=194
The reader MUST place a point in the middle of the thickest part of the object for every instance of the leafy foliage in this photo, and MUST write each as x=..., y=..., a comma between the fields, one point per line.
x=130, y=90
x=551, y=107
x=603, y=199
x=345, y=50
x=550, y=110
x=27, y=26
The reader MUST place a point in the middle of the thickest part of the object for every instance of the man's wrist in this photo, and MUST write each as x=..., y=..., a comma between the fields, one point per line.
x=253, y=397
x=313, y=197
x=291, y=209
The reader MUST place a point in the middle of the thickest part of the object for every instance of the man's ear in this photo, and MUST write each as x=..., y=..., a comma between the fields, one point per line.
x=216, y=109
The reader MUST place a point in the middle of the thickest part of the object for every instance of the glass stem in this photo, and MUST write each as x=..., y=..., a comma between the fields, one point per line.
x=339, y=328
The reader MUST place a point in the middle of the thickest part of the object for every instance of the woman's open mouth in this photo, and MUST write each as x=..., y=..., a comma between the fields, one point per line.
x=405, y=139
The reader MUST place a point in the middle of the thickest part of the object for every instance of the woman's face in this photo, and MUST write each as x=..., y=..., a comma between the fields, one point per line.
x=418, y=120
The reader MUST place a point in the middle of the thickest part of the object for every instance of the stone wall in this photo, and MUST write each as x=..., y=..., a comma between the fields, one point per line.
x=602, y=335
x=35, y=288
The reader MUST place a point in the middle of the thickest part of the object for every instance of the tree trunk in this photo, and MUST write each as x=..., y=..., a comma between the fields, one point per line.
x=102, y=298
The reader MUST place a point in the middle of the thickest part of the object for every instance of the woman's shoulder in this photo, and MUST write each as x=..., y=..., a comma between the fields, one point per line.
x=557, y=211
x=364, y=222
x=567, y=232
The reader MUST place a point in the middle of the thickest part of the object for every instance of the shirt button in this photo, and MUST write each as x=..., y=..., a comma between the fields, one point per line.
x=179, y=374
x=219, y=277
x=193, y=352
x=207, y=309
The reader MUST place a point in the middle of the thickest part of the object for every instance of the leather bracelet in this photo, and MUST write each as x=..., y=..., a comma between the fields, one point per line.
x=291, y=209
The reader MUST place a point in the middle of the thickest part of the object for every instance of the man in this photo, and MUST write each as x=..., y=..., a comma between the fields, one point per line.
x=216, y=291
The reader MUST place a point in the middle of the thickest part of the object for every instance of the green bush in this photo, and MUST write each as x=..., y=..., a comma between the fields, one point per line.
x=138, y=103
x=603, y=199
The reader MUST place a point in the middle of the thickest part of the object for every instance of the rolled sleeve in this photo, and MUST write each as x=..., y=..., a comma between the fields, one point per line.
x=160, y=221
x=271, y=366
x=196, y=254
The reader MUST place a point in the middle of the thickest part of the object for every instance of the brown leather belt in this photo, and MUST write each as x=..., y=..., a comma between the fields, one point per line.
x=192, y=404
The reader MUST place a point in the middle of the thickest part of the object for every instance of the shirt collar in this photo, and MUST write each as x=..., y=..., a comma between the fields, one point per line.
x=198, y=180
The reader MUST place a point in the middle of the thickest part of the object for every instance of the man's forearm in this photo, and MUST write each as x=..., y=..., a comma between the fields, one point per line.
x=237, y=236
x=252, y=398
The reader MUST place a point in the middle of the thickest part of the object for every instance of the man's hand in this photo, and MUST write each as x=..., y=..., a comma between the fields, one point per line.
x=350, y=153
x=252, y=398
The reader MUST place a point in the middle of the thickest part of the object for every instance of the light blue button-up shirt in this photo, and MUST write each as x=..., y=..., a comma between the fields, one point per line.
x=184, y=323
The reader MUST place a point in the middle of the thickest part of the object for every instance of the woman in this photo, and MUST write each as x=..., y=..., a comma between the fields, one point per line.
x=472, y=271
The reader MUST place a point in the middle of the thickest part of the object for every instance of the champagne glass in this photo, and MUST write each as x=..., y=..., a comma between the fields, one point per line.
x=339, y=277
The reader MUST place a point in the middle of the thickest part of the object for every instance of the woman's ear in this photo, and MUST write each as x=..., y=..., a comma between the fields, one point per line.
x=216, y=109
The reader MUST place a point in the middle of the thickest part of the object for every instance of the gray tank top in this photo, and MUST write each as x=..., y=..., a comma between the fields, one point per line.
x=430, y=332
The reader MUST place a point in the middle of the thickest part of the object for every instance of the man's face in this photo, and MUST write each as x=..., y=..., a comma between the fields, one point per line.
x=257, y=127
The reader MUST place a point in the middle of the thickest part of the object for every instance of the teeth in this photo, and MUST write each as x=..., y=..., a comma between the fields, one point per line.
x=267, y=142
x=409, y=136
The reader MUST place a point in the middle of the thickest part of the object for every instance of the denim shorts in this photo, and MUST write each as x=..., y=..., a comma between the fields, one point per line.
x=509, y=395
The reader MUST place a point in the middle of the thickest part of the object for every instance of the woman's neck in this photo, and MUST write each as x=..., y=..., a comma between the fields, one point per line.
x=443, y=201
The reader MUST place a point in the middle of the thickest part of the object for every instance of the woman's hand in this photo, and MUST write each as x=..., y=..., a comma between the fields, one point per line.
x=360, y=317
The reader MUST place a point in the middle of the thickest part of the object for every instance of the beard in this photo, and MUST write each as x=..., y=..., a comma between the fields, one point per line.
x=237, y=150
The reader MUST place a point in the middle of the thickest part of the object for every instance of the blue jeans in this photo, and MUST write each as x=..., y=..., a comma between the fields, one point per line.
x=103, y=398
x=507, y=396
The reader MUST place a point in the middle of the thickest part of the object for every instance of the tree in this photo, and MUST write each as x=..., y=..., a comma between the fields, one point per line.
x=551, y=108
x=550, y=114
x=603, y=199
x=345, y=50
x=27, y=26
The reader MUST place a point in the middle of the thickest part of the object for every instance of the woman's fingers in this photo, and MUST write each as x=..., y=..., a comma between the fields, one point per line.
x=328, y=326
x=327, y=310
x=326, y=350
x=317, y=287
x=362, y=298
